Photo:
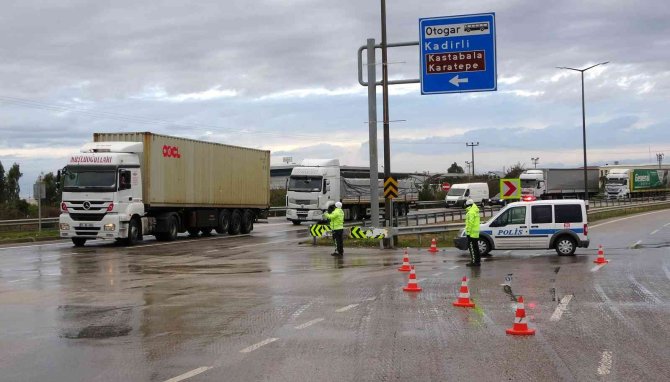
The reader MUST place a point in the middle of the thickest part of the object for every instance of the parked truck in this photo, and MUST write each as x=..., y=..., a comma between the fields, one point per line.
x=561, y=183
x=624, y=183
x=125, y=186
x=316, y=182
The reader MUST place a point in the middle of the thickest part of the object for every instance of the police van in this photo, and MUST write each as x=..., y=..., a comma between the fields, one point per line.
x=543, y=224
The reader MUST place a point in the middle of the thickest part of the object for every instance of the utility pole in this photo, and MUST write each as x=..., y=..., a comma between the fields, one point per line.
x=472, y=146
x=467, y=165
x=535, y=160
x=659, y=158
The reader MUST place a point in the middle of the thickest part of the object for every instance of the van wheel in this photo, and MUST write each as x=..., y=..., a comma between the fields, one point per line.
x=78, y=241
x=565, y=246
x=235, y=223
x=484, y=247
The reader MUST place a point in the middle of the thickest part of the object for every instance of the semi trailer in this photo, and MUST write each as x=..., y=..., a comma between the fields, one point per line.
x=560, y=183
x=622, y=183
x=124, y=186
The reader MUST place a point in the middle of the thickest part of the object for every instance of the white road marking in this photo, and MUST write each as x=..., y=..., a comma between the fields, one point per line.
x=561, y=308
x=258, y=345
x=630, y=217
x=421, y=280
x=635, y=244
x=597, y=267
x=452, y=268
x=190, y=374
x=667, y=272
x=507, y=252
x=212, y=251
x=16, y=281
x=344, y=309
x=438, y=274
x=654, y=232
x=371, y=299
x=666, y=225
x=309, y=323
x=605, y=363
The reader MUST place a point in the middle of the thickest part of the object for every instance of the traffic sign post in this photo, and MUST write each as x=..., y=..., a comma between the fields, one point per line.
x=510, y=189
x=390, y=188
x=458, y=54
x=446, y=187
x=39, y=193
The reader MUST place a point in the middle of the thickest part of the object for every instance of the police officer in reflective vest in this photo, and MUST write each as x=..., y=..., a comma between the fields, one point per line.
x=472, y=232
x=336, y=218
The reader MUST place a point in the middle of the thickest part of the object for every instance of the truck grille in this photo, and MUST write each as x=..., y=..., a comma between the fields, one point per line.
x=305, y=201
x=95, y=205
x=87, y=217
x=87, y=231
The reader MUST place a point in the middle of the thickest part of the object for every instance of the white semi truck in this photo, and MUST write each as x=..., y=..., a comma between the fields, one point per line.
x=622, y=183
x=125, y=186
x=316, y=182
x=559, y=183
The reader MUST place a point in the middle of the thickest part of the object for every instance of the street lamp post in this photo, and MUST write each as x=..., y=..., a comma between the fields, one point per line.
x=535, y=160
x=586, y=188
x=659, y=158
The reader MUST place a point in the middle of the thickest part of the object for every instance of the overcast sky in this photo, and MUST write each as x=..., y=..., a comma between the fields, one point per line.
x=282, y=75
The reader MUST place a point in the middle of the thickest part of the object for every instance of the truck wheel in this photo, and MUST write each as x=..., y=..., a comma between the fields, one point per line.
x=565, y=246
x=133, y=233
x=235, y=223
x=173, y=229
x=78, y=241
x=296, y=222
x=247, y=222
x=354, y=213
x=224, y=222
x=193, y=232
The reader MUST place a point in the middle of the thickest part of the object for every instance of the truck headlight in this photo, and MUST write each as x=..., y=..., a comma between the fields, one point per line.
x=64, y=227
x=110, y=227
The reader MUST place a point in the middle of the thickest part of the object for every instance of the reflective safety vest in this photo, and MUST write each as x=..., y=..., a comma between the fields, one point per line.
x=336, y=219
x=472, y=221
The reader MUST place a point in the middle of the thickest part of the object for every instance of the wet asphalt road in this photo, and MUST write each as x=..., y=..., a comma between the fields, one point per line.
x=264, y=308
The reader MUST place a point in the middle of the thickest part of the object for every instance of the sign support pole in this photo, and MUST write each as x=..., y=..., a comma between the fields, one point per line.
x=372, y=124
x=388, y=243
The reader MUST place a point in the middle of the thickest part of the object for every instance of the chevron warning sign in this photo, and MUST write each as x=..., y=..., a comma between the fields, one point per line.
x=318, y=230
x=373, y=233
x=390, y=188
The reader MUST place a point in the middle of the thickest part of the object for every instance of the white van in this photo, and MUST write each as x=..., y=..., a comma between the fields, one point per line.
x=544, y=224
x=459, y=193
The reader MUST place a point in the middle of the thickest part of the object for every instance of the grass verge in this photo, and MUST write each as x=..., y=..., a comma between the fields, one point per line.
x=28, y=236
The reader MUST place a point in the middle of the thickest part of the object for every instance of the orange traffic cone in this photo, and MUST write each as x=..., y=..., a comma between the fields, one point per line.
x=601, y=256
x=412, y=284
x=405, y=263
x=520, y=327
x=433, y=246
x=464, y=296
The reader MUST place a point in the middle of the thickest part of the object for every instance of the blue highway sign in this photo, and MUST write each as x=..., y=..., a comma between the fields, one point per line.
x=458, y=54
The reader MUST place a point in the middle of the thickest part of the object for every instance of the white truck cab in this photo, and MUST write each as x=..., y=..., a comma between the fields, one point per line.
x=310, y=187
x=545, y=224
x=102, y=189
x=532, y=183
x=616, y=184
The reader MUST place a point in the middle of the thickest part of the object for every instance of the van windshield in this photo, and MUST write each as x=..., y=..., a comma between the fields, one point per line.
x=456, y=192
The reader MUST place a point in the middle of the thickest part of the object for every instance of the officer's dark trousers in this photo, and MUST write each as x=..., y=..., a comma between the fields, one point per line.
x=338, y=235
x=473, y=245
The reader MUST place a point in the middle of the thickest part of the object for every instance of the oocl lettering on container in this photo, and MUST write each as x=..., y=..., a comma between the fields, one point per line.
x=171, y=152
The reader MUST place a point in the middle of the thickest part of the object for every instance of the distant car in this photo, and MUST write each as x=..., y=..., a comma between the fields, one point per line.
x=495, y=201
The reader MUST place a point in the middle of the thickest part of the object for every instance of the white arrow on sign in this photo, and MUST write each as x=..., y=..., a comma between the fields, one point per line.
x=457, y=81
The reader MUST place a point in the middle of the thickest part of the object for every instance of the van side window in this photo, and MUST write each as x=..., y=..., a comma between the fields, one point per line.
x=568, y=213
x=540, y=214
x=467, y=192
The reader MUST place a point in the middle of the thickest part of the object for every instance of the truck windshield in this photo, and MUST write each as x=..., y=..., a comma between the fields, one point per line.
x=616, y=181
x=89, y=179
x=305, y=183
x=456, y=192
x=528, y=183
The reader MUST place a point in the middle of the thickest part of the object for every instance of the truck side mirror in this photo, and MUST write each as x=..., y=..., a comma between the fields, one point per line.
x=540, y=184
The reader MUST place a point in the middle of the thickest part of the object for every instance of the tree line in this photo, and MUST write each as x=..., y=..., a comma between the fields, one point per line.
x=11, y=204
